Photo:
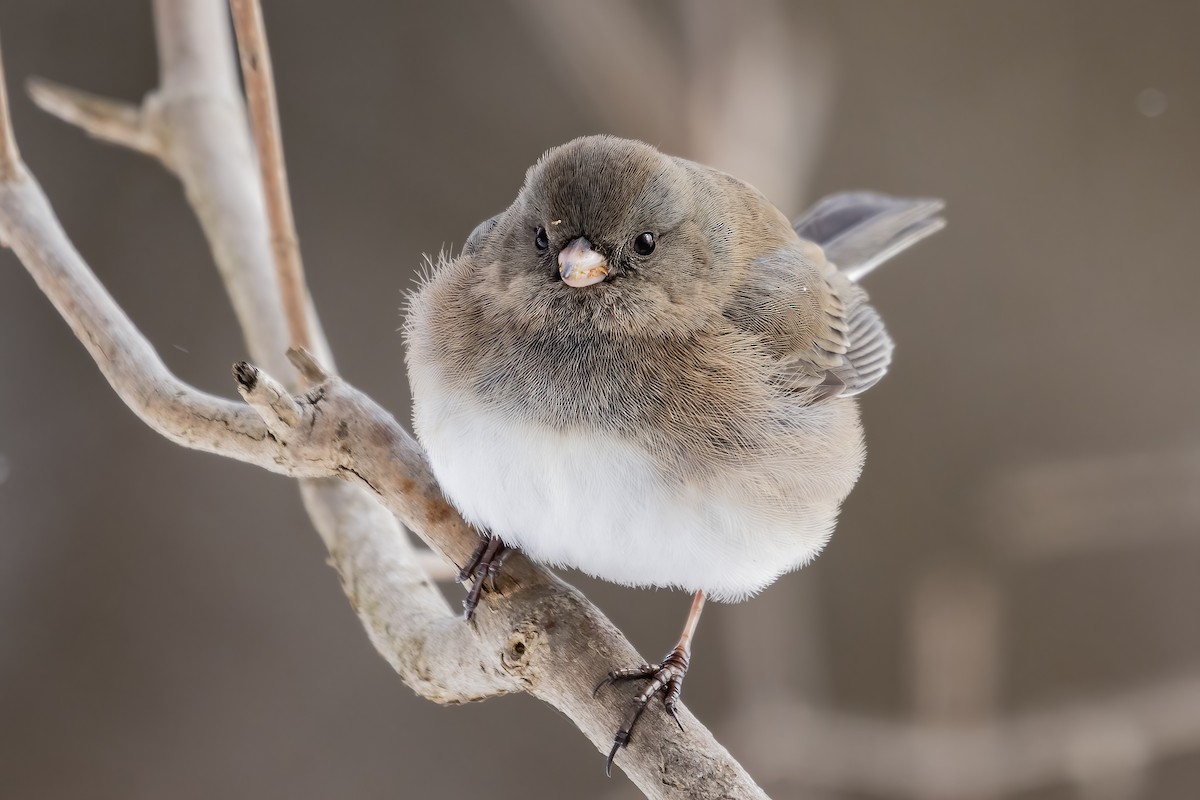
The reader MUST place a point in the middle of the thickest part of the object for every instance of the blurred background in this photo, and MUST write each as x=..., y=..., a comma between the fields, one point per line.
x=1009, y=607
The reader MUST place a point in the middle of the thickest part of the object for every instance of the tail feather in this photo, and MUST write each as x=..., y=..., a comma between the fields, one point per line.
x=860, y=230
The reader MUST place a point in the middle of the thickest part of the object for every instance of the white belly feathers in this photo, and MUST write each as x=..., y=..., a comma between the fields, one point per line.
x=599, y=504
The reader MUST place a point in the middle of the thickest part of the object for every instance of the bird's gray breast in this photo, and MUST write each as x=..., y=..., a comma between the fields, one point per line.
x=695, y=404
x=568, y=379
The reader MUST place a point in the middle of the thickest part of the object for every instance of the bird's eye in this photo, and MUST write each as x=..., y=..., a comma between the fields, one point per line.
x=540, y=240
x=643, y=245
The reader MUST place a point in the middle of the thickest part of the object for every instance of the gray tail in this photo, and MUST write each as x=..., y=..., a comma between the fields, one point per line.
x=860, y=230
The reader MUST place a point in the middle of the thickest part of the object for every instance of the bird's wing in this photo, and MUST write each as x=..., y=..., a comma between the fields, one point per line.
x=807, y=307
x=869, y=346
x=860, y=230
x=826, y=339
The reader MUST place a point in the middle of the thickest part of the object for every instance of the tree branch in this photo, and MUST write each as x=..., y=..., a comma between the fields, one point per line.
x=10, y=157
x=1089, y=743
x=537, y=634
x=107, y=120
x=264, y=117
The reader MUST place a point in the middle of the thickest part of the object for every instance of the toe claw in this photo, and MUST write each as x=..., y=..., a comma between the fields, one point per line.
x=493, y=572
x=471, y=601
x=675, y=716
x=611, y=755
x=619, y=741
x=609, y=678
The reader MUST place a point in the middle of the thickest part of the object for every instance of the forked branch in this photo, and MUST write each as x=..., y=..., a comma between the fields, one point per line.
x=537, y=634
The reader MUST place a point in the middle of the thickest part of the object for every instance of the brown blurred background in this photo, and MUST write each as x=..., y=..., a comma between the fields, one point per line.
x=1009, y=608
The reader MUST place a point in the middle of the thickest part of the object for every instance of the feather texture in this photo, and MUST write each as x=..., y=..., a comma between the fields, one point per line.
x=861, y=230
x=688, y=421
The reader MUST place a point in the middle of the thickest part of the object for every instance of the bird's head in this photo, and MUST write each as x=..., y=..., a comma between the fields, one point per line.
x=612, y=234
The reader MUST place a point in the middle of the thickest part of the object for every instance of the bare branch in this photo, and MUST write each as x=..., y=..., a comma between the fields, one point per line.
x=108, y=120
x=10, y=157
x=181, y=413
x=264, y=121
x=1092, y=741
x=199, y=112
x=195, y=55
x=536, y=635
x=307, y=363
x=268, y=397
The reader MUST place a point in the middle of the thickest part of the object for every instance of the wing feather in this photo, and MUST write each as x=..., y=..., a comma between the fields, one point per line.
x=805, y=302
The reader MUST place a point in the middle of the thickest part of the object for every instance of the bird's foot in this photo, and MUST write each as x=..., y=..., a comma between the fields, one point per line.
x=665, y=678
x=482, y=568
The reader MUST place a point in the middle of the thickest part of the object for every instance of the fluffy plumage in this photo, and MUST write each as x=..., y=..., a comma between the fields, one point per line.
x=687, y=422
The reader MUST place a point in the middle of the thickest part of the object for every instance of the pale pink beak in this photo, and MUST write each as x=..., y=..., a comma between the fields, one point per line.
x=579, y=265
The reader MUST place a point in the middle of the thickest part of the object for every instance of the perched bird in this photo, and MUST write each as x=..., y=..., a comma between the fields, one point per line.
x=642, y=370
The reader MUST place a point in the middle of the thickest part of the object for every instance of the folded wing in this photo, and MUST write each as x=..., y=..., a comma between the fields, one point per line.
x=806, y=304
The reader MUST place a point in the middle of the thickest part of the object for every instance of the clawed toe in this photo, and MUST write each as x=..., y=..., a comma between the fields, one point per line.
x=665, y=678
x=482, y=569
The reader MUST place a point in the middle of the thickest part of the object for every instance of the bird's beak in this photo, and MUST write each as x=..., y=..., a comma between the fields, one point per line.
x=579, y=265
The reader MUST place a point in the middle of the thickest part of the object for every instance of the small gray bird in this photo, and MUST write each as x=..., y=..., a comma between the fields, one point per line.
x=642, y=370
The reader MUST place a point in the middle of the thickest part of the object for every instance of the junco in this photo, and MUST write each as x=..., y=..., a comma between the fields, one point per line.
x=642, y=370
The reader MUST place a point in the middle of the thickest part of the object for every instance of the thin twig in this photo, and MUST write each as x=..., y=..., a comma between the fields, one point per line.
x=108, y=120
x=264, y=123
x=10, y=157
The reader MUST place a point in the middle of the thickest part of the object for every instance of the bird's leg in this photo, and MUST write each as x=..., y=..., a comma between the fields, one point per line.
x=666, y=678
x=483, y=567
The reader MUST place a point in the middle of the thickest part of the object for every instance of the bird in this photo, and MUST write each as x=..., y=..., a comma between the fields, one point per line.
x=641, y=369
